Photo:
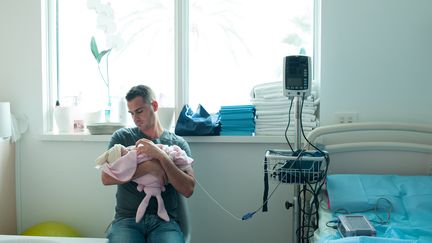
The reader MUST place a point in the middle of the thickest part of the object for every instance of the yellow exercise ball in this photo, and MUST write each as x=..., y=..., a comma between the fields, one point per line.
x=51, y=228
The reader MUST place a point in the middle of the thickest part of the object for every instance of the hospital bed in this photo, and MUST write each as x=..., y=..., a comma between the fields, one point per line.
x=381, y=171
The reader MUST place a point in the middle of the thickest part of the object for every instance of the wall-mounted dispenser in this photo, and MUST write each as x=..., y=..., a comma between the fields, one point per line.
x=5, y=121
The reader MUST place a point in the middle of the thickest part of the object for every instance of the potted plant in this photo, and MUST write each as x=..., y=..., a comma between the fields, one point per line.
x=99, y=56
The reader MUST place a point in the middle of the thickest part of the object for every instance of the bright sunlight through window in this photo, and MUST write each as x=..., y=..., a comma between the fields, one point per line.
x=232, y=46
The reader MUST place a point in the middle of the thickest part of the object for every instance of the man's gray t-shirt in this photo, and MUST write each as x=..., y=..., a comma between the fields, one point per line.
x=128, y=197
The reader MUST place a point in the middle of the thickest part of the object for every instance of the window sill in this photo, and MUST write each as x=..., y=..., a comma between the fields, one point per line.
x=87, y=137
x=75, y=137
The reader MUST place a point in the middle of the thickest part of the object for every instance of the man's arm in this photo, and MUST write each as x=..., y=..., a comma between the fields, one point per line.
x=182, y=181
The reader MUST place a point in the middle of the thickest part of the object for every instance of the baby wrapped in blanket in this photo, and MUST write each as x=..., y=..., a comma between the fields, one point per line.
x=120, y=162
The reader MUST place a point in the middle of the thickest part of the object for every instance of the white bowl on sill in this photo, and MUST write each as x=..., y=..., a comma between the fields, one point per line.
x=104, y=128
x=92, y=117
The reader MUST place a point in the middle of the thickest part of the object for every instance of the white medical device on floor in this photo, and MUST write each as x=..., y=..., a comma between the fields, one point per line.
x=355, y=225
x=297, y=76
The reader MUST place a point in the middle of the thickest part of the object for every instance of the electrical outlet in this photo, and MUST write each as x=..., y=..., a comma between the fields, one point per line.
x=346, y=117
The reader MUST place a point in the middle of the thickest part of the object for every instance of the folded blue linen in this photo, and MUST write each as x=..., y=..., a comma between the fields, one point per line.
x=236, y=116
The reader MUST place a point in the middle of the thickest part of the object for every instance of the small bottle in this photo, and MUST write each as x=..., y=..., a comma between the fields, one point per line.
x=108, y=110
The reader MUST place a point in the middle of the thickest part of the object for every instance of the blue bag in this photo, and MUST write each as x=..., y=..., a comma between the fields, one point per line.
x=198, y=123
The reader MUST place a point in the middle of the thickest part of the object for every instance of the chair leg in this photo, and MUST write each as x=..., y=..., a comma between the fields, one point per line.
x=184, y=218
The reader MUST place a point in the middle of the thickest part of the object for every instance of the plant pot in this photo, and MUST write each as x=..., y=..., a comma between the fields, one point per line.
x=63, y=119
x=166, y=116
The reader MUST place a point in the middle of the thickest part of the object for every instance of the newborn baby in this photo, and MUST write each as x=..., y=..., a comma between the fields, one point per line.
x=120, y=162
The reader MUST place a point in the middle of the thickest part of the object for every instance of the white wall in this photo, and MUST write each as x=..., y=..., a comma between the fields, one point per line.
x=233, y=174
x=365, y=43
x=377, y=60
x=58, y=182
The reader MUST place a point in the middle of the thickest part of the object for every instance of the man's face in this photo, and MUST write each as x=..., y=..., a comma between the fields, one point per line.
x=142, y=113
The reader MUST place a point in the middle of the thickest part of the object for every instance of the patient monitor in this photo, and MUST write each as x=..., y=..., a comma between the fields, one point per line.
x=297, y=76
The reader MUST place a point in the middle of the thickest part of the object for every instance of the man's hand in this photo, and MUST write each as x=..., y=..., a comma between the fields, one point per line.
x=145, y=146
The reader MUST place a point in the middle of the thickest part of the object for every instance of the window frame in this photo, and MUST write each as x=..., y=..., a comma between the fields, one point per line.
x=49, y=47
x=181, y=62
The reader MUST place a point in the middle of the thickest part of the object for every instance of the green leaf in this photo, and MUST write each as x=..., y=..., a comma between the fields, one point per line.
x=103, y=53
x=94, y=49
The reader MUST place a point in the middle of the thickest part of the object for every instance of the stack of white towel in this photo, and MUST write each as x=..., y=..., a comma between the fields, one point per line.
x=272, y=109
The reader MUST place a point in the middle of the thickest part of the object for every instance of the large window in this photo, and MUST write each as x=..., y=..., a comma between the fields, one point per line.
x=140, y=35
x=234, y=45
x=227, y=47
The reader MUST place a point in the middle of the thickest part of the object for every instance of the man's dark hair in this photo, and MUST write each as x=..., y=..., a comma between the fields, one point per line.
x=141, y=90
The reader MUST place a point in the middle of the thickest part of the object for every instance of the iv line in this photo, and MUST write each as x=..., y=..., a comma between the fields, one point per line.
x=215, y=201
x=249, y=214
